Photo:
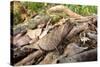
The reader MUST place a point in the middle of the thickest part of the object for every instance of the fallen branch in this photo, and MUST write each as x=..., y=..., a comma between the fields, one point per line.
x=87, y=19
x=30, y=58
x=47, y=43
x=21, y=53
x=52, y=40
x=70, y=50
x=61, y=8
x=90, y=55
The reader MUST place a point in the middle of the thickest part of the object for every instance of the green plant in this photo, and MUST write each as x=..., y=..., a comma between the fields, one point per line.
x=84, y=10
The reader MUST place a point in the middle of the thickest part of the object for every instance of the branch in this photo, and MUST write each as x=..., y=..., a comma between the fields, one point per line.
x=30, y=58
x=61, y=8
x=90, y=55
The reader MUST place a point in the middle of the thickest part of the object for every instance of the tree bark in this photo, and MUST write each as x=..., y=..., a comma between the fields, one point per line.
x=30, y=59
x=90, y=55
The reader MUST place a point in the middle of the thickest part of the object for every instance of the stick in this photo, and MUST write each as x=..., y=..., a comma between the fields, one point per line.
x=32, y=57
x=61, y=8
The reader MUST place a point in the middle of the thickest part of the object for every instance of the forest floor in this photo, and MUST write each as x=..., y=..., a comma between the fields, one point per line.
x=44, y=33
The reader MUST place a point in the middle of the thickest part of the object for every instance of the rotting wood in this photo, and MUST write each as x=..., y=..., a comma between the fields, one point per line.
x=21, y=53
x=46, y=41
x=50, y=57
x=52, y=39
x=90, y=55
x=62, y=33
x=54, y=36
x=70, y=50
x=31, y=57
x=87, y=19
x=77, y=29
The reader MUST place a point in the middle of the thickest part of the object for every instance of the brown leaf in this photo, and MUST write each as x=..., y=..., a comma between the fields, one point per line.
x=24, y=40
x=34, y=33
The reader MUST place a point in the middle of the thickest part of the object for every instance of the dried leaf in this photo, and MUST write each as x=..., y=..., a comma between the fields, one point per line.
x=34, y=33
x=51, y=40
x=46, y=30
x=84, y=39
